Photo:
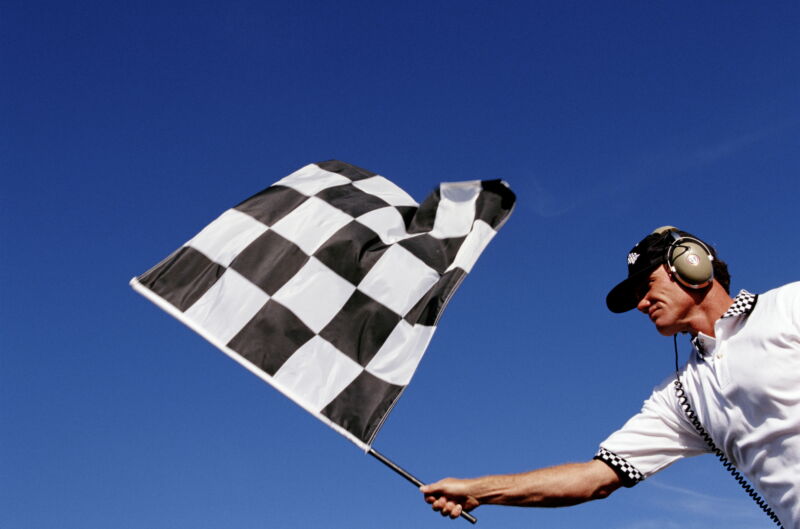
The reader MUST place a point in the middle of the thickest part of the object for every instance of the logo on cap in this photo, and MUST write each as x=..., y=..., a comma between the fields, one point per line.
x=632, y=257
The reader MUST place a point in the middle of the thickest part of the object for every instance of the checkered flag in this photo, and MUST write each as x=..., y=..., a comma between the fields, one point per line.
x=329, y=284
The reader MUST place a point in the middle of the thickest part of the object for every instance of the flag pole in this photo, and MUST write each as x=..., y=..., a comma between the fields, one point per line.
x=383, y=459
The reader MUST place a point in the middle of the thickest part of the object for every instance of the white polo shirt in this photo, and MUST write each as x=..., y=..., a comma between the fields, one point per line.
x=744, y=385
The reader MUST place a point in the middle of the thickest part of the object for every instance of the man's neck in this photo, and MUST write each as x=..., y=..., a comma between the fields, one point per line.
x=711, y=306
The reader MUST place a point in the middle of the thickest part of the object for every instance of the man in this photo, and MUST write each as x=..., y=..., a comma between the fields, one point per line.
x=742, y=382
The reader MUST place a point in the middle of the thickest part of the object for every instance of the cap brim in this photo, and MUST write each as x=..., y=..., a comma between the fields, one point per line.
x=622, y=297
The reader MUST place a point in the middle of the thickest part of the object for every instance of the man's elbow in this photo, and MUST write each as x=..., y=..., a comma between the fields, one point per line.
x=583, y=482
x=604, y=491
x=604, y=480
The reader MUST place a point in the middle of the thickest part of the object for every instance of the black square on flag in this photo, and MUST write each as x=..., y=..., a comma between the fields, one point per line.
x=270, y=261
x=430, y=307
x=351, y=171
x=492, y=207
x=360, y=328
x=272, y=204
x=270, y=337
x=352, y=251
x=360, y=407
x=408, y=213
x=183, y=277
x=425, y=216
x=436, y=253
x=351, y=200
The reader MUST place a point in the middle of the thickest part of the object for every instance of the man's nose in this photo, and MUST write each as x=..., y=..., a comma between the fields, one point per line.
x=644, y=303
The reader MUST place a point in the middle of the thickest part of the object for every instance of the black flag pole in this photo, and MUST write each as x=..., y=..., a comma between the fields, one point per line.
x=383, y=459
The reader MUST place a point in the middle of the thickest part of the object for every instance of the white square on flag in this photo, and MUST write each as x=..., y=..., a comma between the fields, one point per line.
x=456, y=210
x=311, y=224
x=387, y=223
x=226, y=236
x=227, y=306
x=397, y=359
x=473, y=246
x=318, y=365
x=315, y=294
x=398, y=280
x=388, y=191
x=310, y=180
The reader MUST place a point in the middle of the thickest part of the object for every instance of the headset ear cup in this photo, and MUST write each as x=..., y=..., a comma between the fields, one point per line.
x=691, y=262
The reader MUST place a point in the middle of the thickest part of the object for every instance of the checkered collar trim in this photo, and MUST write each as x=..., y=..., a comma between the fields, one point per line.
x=743, y=303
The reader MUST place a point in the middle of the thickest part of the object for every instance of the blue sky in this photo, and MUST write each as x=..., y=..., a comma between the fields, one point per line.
x=126, y=127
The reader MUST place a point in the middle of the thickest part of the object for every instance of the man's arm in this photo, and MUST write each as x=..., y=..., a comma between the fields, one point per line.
x=558, y=486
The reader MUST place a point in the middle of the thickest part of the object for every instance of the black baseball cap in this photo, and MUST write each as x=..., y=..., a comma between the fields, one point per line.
x=643, y=258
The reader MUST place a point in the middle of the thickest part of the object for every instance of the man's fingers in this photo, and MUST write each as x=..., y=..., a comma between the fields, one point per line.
x=448, y=508
x=441, y=500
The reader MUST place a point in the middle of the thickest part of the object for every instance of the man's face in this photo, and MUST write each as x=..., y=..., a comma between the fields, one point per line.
x=666, y=304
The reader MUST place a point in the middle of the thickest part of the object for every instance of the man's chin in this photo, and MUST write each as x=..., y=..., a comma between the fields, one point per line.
x=665, y=330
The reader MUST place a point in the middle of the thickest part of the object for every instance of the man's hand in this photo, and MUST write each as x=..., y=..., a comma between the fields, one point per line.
x=450, y=496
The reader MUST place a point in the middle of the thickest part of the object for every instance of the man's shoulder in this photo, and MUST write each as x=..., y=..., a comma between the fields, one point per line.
x=786, y=297
x=787, y=290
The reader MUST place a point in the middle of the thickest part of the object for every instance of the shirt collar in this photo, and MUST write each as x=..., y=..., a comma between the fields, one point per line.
x=697, y=343
x=743, y=304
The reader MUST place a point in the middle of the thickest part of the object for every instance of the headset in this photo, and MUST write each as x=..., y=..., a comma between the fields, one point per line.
x=688, y=258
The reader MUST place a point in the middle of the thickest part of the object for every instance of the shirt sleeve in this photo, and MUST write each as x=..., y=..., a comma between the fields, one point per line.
x=652, y=439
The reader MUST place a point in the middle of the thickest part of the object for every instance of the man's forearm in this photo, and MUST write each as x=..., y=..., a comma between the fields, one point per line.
x=559, y=486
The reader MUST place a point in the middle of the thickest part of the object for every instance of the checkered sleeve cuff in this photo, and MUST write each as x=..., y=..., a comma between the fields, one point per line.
x=628, y=473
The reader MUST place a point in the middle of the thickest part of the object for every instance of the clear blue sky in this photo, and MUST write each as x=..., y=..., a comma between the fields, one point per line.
x=125, y=127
